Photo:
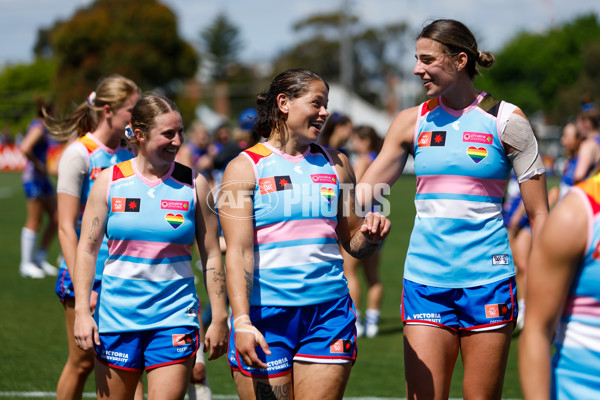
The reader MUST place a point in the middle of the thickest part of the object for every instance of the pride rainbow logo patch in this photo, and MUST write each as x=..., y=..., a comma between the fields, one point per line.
x=328, y=193
x=477, y=153
x=175, y=220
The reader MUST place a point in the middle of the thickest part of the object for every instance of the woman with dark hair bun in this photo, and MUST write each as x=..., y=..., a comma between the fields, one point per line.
x=459, y=290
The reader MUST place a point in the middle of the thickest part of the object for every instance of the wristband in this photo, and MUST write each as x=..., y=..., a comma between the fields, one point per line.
x=242, y=324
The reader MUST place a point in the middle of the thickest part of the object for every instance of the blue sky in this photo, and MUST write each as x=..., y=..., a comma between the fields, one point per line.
x=266, y=25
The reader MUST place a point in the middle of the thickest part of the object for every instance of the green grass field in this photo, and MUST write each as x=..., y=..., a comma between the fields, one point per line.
x=33, y=345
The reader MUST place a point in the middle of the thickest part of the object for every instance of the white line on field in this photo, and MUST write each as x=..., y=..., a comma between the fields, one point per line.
x=214, y=396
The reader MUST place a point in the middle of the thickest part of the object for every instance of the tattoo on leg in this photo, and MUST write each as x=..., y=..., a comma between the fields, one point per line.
x=264, y=391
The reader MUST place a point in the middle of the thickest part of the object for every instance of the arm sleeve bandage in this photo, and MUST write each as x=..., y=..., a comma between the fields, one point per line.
x=525, y=159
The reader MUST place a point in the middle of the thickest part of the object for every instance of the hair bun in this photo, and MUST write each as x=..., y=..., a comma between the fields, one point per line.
x=485, y=59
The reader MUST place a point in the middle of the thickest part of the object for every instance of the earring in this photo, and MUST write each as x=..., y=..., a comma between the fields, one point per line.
x=129, y=132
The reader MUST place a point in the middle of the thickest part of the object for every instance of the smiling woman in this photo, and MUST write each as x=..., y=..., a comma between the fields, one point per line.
x=293, y=320
x=151, y=209
x=459, y=288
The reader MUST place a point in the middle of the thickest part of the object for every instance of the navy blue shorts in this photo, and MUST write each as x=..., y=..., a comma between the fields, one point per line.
x=321, y=333
x=146, y=350
x=38, y=187
x=477, y=308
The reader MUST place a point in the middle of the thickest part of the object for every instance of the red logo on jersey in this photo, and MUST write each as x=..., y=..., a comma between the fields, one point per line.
x=434, y=138
x=122, y=204
x=94, y=173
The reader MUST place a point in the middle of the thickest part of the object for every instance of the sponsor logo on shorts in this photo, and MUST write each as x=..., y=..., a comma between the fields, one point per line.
x=182, y=339
x=122, y=204
x=500, y=259
x=174, y=205
x=278, y=364
x=340, y=346
x=496, y=310
x=115, y=356
x=431, y=317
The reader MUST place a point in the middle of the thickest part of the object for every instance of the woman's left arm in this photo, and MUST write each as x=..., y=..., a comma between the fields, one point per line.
x=359, y=237
x=207, y=237
x=521, y=146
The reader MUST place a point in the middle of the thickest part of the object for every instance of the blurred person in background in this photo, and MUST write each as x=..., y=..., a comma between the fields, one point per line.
x=570, y=140
x=588, y=156
x=336, y=132
x=366, y=144
x=224, y=149
x=245, y=134
x=98, y=124
x=194, y=152
x=41, y=199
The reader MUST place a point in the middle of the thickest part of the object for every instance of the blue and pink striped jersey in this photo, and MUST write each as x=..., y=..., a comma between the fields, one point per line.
x=576, y=362
x=459, y=239
x=148, y=282
x=297, y=259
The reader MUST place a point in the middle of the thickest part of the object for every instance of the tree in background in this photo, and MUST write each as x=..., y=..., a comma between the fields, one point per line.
x=548, y=72
x=135, y=38
x=19, y=86
x=376, y=52
x=221, y=45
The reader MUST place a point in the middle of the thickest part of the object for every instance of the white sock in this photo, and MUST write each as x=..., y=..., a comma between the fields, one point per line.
x=521, y=306
x=28, y=239
x=372, y=316
x=358, y=318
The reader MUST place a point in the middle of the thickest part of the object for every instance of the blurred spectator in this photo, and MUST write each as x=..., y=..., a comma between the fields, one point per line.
x=195, y=150
x=336, y=132
x=41, y=199
x=366, y=144
x=588, y=124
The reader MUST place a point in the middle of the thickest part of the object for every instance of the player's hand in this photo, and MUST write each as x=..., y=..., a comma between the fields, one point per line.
x=216, y=338
x=86, y=331
x=375, y=227
x=247, y=338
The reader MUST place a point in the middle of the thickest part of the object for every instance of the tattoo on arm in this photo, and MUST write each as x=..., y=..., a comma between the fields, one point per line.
x=93, y=234
x=219, y=277
x=360, y=247
x=264, y=391
x=248, y=277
